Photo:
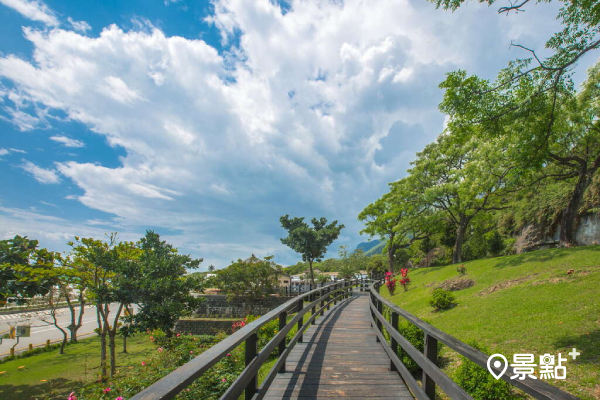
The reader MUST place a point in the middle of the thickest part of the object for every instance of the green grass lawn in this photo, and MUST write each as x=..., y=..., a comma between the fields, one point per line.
x=53, y=376
x=522, y=304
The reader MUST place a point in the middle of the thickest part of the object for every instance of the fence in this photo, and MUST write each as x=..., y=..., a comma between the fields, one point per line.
x=427, y=360
x=319, y=300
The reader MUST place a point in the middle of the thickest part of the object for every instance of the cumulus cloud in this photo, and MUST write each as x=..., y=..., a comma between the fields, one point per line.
x=46, y=176
x=3, y=152
x=67, y=142
x=308, y=112
x=34, y=10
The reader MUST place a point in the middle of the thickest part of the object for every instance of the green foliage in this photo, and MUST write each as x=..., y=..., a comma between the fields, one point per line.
x=254, y=279
x=478, y=382
x=157, y=281
x=311, y=242
x=415, y=336
x=171, y=353
x=25, y=270
x=442, y=299
x=377, y=264
x=400, y=217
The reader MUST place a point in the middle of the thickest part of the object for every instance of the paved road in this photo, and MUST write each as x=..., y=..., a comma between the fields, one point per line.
x=42, y=331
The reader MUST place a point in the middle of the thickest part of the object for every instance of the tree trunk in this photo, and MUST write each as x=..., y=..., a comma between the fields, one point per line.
x=391, y=254
x=125, y=344
x=80, y=318
x=460, y=237
x=570, y=216
x=64, y=333
x=112, y=334
x=72, y=325
x=102, y=333
x=312, y=275
x=113, y=353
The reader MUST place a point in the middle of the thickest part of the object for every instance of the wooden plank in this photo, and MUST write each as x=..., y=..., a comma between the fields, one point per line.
x=339, y=357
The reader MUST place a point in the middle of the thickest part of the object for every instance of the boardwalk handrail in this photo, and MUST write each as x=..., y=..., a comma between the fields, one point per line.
x=319, y=300
x=427, y=360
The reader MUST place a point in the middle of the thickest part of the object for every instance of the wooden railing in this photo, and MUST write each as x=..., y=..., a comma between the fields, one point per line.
x=432, y=375
x=319, y=300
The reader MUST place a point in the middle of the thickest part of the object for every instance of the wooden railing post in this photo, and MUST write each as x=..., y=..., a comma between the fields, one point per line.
x=314, y=309
x=394, y=343
x=251, y=352
x=335, y=295
x=430, y=352
x=328, y=298
x=380, y=309
x=301, y=320
x=282, y=324
x=321, y=294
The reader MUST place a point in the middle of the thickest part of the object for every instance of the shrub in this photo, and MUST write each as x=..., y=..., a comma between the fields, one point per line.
x=390, y=283
x=416, y=337
x=442, y=299
x=176, y=351
x=461, y=269
x=478, y=382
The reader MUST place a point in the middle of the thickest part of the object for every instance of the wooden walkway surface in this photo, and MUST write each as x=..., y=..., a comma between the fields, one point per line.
x=340, y=358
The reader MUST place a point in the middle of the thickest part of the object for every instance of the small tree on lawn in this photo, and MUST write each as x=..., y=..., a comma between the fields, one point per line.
x=311, y=242
x=159, y=284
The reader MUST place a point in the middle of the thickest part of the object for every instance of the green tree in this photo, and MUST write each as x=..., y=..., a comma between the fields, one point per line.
x=311, y=242
x=532, y=77
x=557, y=135
x=462, y=176
x=400, y=217
x=254, y=279
x=96, y=261
x=25, y=269
x=158, y=283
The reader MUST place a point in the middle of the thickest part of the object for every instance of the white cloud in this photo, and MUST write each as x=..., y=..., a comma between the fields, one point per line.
x=80, y=26
x=46, y=176
x=219, y=145
x=3, y=152
x=34, y=10
x=67, y=142
x=118, y=90
x=18, y=151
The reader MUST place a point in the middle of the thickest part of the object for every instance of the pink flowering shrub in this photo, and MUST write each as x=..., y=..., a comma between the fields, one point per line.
x=390, y=282
x=405, y=281
x=238, y=325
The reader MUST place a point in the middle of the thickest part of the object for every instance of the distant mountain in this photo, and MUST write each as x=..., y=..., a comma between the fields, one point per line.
x=371, y=247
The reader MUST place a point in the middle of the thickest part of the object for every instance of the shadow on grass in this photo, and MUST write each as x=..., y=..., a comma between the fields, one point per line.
x=541, y=256
x=586, y=344
x=58, y=388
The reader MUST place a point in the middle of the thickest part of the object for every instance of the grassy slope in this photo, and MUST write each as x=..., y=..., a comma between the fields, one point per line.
x=547, y=311
x=51, y=375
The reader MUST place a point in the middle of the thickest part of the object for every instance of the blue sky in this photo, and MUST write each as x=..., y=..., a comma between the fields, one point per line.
x=207, y=121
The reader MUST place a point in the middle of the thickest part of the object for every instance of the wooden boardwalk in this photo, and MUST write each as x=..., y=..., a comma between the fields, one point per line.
x=340, y=357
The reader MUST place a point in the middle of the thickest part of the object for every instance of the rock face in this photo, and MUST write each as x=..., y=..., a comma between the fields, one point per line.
x=589, y=230
x=535, y=238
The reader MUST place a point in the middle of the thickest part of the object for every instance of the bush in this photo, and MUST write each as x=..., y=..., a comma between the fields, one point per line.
x=478, y=382
x=416, y=337
x=173, y=353
x=442, y=299
x=461, y=269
